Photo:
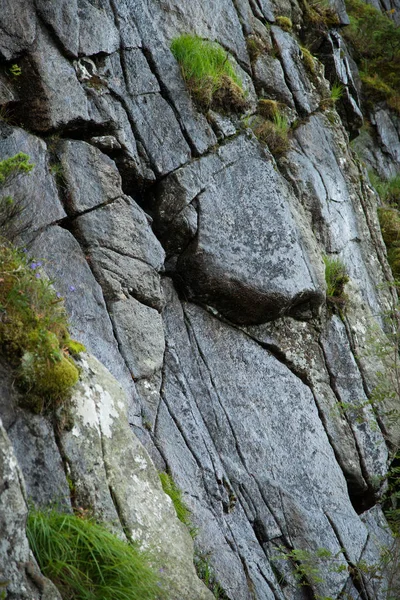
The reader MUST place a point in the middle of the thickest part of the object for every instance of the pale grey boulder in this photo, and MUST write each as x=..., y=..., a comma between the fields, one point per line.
x=246, y=258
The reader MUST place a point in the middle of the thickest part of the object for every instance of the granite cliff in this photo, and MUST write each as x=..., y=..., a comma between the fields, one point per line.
x=191, y=260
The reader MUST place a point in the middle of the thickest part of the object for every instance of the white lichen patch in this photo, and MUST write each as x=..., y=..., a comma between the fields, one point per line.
x=106, y=410
x=85, y=410
x=141, y=462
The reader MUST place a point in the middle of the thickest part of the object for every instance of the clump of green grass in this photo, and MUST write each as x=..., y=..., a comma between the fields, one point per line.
x=388, y=189
x=182, y=512
x=337, y=91
x=336, y=277
x=87, y=562
x=208, y=73
x=274, y=133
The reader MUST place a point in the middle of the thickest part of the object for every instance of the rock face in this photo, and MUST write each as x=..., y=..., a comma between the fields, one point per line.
x=191, y=260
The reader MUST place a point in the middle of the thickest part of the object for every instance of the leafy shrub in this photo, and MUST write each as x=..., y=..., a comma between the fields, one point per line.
x=87, y=562
x=208, y=73
x=336, y=277
x=182, y=512
x=274, y=133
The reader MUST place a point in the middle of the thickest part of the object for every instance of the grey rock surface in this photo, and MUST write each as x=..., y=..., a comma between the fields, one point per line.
x=125, y=483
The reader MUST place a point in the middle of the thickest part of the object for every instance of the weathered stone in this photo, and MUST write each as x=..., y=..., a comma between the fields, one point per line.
x=37, y=190
x=247, y=428
x=139, y=332
x=269, y=79
x=91, y=177
x=124, y=253
x=18, y=27
x=347, y=383
x=387, y=132
x=306, y=98
x=298, y=343
x=63, y=19
x=51, y=96
x=90, y=322
x=127, y=478
x=16, y=559
x=246, y=258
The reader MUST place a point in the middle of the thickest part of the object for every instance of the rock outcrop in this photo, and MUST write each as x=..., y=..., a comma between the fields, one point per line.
x=191, y=260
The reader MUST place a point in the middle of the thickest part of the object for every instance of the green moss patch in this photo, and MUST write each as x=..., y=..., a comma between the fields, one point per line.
x=182, y=512
x=274, y=133
x=208, y=73
x=87, y=562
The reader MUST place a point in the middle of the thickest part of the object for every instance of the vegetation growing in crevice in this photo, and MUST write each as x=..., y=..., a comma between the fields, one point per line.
x=375, y=39
x=319, y=14
x=201, y=561
x=87, y=562
x=272, y=131
x=389, y=217
x=182, y=512
x=336, y=277
x=209, y=75
x=33, y=323
x=284, y=23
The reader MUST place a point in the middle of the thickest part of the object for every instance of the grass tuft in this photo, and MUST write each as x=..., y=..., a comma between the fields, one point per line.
x=208, y=73
x=274, y=133
x=87, y=562
x=336, y=277
x=284, y=23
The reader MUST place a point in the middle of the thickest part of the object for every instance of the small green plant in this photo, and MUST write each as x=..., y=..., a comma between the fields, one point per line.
x=206, y=573
x=182, y=512
x=274, y=133
x=337, y=91
x=87, y=562
x=284, y=23
x=336, y=277
x=209, y=74
x=319, y=14
x=15, y=70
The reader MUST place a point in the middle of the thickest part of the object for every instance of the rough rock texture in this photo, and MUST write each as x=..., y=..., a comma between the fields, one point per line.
x=191, y=263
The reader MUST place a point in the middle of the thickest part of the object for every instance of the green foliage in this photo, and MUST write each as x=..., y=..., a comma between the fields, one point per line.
x=274, y=133
x=308, y=60
x=34, y=330
x=209, y=75
x=87, y=562
x=15, y=70
x=206, y=573
x=182, y=512
x=389, y=217
x=336, y=277
x=33, y=322
x=319, y=14
x=375, y=39
x=11, y=210
x=284, y=23
x=388, y=189
x=337, y=90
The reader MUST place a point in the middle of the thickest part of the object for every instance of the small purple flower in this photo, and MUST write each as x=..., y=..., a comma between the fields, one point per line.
x=37, y=275
x=72, y=288
x=33, y=266
x=58, y=295
x=39, y=263
x=24, y=250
